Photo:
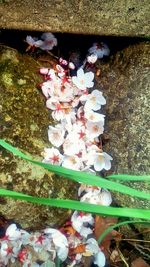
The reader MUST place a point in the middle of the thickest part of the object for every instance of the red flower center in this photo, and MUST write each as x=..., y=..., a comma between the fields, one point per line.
x=55, y=159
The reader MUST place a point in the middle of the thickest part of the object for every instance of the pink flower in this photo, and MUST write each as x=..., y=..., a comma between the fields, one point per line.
x=63, y=61
x=44, y=71
x=60, y=70
x=23, y=255
x=92, y=58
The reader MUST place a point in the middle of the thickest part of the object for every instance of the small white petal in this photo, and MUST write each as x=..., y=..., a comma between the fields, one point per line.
x=100, y=259
x=93, y=116
x=106, y=198
x=56, y=135
x=92, y=246
x=99, y=162
x=85, y=231
x=62, y=253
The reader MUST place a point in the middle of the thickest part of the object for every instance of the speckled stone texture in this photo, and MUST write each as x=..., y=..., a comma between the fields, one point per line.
x=102, y=17
x=125, y=81
x=24, y=120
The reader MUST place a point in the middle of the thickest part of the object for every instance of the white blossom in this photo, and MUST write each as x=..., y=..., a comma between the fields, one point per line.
x=78, y=222
x=12, y=232
x=92, y=58
x=44, y=71
x=97, y=196
x=52, y=156
x=76, y=146
x=94, y=101
x=74, y=143
x=102, y=161
x=33, y=42
x=72, y=162
x=71, y=66
x=49, y=41
x=89, y=157
x=60, y=242
x=99, y=259
x=60, y=110
x=56, y=135
x=99, y=49
x=83, y=80
x=92, y=246
x=94, y=116
x=94, y=129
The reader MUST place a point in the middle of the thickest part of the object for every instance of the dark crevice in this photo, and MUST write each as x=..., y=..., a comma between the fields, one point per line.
x=68, y=42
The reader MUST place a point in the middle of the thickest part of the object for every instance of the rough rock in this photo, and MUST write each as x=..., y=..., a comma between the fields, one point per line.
x=125, y=82
x=105, y=17
x=24, y=120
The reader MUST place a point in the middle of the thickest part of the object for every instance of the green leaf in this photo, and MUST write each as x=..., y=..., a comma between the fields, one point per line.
x=110, y=228
x=57, y=262
x=78, y=176
x=127, y=177
x=80, y=206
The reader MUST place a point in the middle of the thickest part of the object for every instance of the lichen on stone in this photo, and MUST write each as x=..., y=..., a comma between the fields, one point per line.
x=125, y=82
x=23, y=121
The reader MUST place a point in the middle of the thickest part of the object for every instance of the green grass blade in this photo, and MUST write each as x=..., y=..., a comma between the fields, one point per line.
x=57, y=262
x=110, y=228
x=80, y=206
x=78, y=176
x=127, y=177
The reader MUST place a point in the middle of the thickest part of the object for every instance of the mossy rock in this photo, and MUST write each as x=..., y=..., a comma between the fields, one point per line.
x=24, y=120
x=125, y=81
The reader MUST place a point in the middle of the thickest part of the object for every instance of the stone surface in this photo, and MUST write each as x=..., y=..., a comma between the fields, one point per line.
x=24, y=120
x=105, y=17
x=125, y=82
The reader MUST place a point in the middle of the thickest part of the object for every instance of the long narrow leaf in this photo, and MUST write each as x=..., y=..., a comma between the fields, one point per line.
x=78, y=176
x=80, y=206
x=110, y=228
x=127, y=177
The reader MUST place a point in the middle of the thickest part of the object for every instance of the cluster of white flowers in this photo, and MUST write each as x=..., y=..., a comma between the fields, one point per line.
x=75, y=139
x=17, y=244
x=83, y=224
x=76, y=136
x=76, y=144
